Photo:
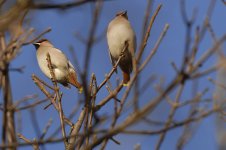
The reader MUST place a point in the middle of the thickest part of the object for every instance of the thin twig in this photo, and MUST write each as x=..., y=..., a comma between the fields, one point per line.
x=113, y=69
x=34, y=144
x=154, y=50
x=61, y=6
x=46, y=129
x=58, y=96
x=144, y=42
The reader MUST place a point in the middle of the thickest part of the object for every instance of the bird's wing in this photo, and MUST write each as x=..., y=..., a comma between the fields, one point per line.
x=72, y=68
x=112, y=61
x=70, y=65
x=58, y=58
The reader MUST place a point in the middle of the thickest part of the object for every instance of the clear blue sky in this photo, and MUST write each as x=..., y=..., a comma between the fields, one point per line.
x=65, y=23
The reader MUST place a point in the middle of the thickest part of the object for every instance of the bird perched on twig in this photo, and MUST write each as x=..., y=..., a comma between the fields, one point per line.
x=62, y=67
x=120, y=35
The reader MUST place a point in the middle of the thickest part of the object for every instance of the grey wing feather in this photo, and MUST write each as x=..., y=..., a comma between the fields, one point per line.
x=70, y=65
x=59, y=58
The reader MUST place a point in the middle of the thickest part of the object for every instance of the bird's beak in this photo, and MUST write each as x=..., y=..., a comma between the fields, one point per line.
x=36, y=45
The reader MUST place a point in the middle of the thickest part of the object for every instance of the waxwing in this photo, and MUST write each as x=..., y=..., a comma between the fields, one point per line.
x=64, y=71
x=119, y=33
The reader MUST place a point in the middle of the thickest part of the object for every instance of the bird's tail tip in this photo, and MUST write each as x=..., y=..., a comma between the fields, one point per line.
x=126, y=79
x=125, y=84
x=80, y=90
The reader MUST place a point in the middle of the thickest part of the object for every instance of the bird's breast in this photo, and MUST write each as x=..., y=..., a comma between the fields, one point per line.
x=117, y=35
x=60, y=70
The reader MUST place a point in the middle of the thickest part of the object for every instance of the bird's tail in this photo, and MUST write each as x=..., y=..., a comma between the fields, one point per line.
x=72, y=79
x=126, y=78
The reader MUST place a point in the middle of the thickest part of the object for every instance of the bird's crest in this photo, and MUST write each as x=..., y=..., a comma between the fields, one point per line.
x=123, y=14
x=42, y=40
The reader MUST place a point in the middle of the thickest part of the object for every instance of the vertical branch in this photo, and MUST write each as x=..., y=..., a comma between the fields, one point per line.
x=85, y=128
x=3, y=76
x=8, y=128
x=58, y=97
x=137, y=83
x=171, y=115
x=146, y=17
x=93, y=90
x=144, y=42
x=189, y=129
x=89, y=45
x=188, y=23
x=89, y=113
x=75, y=130
x=115, y=117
